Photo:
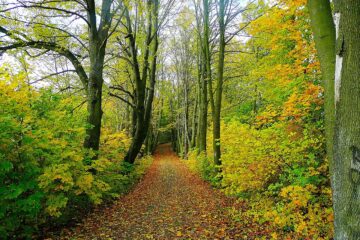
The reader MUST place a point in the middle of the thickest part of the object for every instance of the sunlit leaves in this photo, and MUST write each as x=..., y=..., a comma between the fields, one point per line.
x=43, y=165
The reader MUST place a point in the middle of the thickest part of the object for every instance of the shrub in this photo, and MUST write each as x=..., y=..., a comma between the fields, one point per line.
x=44, y=169
x=282, y=175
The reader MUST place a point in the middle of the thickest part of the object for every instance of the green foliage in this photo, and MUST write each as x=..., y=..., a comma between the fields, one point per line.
x=202, y=165
x=21, y=198
x=44, y=169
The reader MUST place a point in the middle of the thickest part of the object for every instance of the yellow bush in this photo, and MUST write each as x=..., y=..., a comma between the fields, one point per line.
x=247, y=163
x=282, y=180
x=300, y=215
x=114, y=145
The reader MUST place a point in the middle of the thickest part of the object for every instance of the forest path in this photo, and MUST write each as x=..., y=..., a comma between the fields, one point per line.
x=170, y=202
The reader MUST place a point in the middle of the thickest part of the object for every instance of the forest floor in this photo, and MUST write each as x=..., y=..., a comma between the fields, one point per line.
x=170, y=202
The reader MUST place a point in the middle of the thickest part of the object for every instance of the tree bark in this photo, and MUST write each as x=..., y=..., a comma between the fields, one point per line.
x=346, y=174
x=324, y=36
x=97, y=45
x=219, y=86
x=194, y=123
x=205, y=60
x=94, y=96
x=143, y=104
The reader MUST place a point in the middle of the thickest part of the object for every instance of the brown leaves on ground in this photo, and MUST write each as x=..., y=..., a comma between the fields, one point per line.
x=169, y=203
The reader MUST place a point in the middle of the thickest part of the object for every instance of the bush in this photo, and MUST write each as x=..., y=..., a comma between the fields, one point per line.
x=204, y=166
x=281, y=173
x=44, y=168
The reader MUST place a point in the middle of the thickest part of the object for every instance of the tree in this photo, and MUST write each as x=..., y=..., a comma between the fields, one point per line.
x=216, y=103
x=204, y=68
x=51, y=35
x=345, y=173
x=324, y=36
x=184, y=65
x=346, y=169
x=144, y=78
x=227, y=12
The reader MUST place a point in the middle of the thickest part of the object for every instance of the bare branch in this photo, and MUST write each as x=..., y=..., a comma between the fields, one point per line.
x=122, y=99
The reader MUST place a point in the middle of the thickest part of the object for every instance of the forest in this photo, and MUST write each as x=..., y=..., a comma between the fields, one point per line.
x=180, y=119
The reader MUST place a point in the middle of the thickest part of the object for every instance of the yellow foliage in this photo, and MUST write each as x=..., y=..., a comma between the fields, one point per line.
x=248, y=163
x=255, y=162
x=114, y=145
x=298, y=212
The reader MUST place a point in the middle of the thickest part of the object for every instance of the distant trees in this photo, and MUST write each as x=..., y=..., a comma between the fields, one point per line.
x=139, y=48
x=215, y=29
x=271, y=118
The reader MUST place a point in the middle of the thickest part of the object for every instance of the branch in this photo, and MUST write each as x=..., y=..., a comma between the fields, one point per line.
x=53, y=47
x=48, y=8
x=51, y=75
x=122, y=99
x=39, y=24
x=80, y=105
x=120, y=88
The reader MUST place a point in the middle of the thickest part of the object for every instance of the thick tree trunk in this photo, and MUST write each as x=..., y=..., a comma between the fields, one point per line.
x=139, y=136
x=97, y=44
x=346, y=174
x=94, y=96
x=92, y=139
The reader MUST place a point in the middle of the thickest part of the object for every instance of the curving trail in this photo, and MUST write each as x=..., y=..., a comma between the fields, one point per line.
x=169, y=203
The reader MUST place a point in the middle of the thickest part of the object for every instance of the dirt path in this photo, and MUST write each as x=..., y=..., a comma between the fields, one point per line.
x=169, y=203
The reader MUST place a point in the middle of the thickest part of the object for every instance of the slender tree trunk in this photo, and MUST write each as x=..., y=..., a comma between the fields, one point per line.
x=200, y=92
x=186, y=114
x=203, y=115
x=219, y=86
x=194, y=121
x=324, y=36
x=173, y=129
x=186, y=143
x=346, y=174
x=205, y=79
x=143, y=103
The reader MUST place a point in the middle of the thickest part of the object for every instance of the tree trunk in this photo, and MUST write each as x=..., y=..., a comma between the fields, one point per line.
x=139, y=136
x=346, y=175
x=186, y=115
x=219, y=85
x=205, y=78
x=94, y=97
x=194, y=127
x=97, y=44
x=324, y=36
x=143, y=104
x=203, y=115
x=200, y=92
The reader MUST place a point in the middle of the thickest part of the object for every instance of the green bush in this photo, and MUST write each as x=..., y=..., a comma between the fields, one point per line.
x=44, y=169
